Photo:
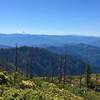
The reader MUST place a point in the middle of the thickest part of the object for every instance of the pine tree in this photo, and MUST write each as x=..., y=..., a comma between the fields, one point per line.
x=88, y=75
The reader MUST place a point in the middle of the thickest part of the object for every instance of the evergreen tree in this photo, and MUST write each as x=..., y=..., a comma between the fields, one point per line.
x=88, y=75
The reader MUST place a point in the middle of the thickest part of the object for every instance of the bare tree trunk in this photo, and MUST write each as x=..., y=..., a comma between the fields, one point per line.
x=16, y=64
x=64, y=70
x=80, y=75
x=16, y=58
x=49, y=74
x=30, y=68
x=60, y=69
x=88, y=74
x=80, y=80
x=96, y=79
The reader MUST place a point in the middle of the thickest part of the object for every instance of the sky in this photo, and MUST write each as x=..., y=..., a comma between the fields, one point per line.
x=52, y=17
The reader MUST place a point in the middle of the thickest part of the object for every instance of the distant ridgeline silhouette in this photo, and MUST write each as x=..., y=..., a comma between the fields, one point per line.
x=45, y=40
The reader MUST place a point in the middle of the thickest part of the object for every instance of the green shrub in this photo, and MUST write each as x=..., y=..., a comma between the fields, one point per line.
x=3, y=78
x=92, y=84
x=27, y=84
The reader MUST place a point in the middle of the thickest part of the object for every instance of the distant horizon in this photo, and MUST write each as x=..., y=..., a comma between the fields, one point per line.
x=15, y=33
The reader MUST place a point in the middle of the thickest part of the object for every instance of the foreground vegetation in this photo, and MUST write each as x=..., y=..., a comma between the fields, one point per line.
x=15, y=86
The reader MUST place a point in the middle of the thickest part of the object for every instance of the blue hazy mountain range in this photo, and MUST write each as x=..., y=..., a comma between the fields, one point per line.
x=4, y=46
x=46, y=40
x=85, y=48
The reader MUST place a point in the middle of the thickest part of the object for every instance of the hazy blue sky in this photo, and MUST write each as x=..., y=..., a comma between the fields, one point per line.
x=50, y=16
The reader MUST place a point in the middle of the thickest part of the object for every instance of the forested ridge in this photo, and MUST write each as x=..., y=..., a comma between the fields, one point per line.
x=42, y=60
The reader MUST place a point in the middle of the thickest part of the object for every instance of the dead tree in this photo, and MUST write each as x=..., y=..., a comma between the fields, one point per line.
x=64, y=70
x=60, y=69
x=69, y=71
x=80, y=80
x=49, y=70
x=96, y=79
x=80, y=74
x=16, y=58
x=30, y=67
x=16, y=63
x=52, y=69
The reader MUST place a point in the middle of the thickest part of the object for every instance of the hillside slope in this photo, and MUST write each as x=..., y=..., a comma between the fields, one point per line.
x=42, y=61
x=34, y=89
x=89, y=54
x=6, y=66
x=23, y=88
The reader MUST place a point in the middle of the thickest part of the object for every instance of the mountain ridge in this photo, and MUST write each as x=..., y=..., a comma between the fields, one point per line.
x=87, y=53
x=48, y=40
x=43, y=61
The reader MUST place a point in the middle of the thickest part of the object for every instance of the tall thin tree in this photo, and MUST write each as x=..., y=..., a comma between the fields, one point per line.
x=60, y=69
x=49, y=70
x=64, y=70
x=88, y=75
x=16, y=58
x=96, y=79
x=80, y=72
x=16, y=64
x=30, y=64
